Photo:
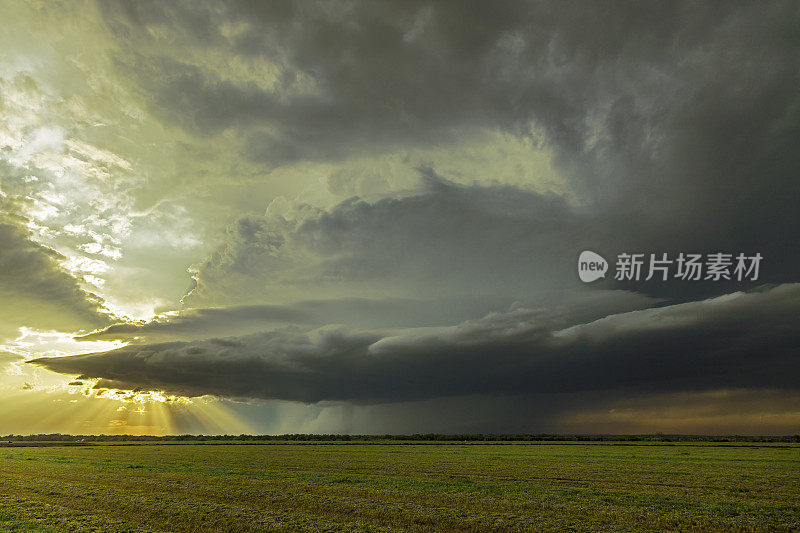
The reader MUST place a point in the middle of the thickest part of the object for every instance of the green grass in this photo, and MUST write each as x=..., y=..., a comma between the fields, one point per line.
x=10, y=521
x=357, y=487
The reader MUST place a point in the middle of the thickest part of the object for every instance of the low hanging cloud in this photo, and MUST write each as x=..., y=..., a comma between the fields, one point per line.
x=740, y=340
x=371, y=313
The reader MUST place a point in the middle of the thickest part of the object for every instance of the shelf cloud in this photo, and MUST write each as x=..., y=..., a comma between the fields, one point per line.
x=740, y=340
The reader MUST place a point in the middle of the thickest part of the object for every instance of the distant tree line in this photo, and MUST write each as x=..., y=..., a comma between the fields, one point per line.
x=416, y=437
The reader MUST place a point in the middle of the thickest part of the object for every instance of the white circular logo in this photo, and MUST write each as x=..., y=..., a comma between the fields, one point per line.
x=591, y=266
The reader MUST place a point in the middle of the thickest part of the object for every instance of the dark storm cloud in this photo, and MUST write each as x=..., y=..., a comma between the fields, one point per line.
x=620, y=89
x=378, y=73
x=674, y=123
x=35, y=290
x=740, y=340
x=450, y=239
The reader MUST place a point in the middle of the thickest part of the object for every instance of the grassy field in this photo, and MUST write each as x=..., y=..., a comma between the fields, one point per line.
x=362, y=487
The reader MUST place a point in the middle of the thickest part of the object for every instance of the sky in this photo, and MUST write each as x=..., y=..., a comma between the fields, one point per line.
x=366, y=217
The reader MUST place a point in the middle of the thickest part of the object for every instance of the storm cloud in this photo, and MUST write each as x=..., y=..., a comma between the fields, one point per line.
x=43, y=293
x=444, y=239
x=672, y=126
x=380, y=204
x=454, y=240
x=740, y=340
x=333, y=73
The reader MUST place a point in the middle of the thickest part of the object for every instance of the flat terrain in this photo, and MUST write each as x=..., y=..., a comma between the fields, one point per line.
x=386, y=487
